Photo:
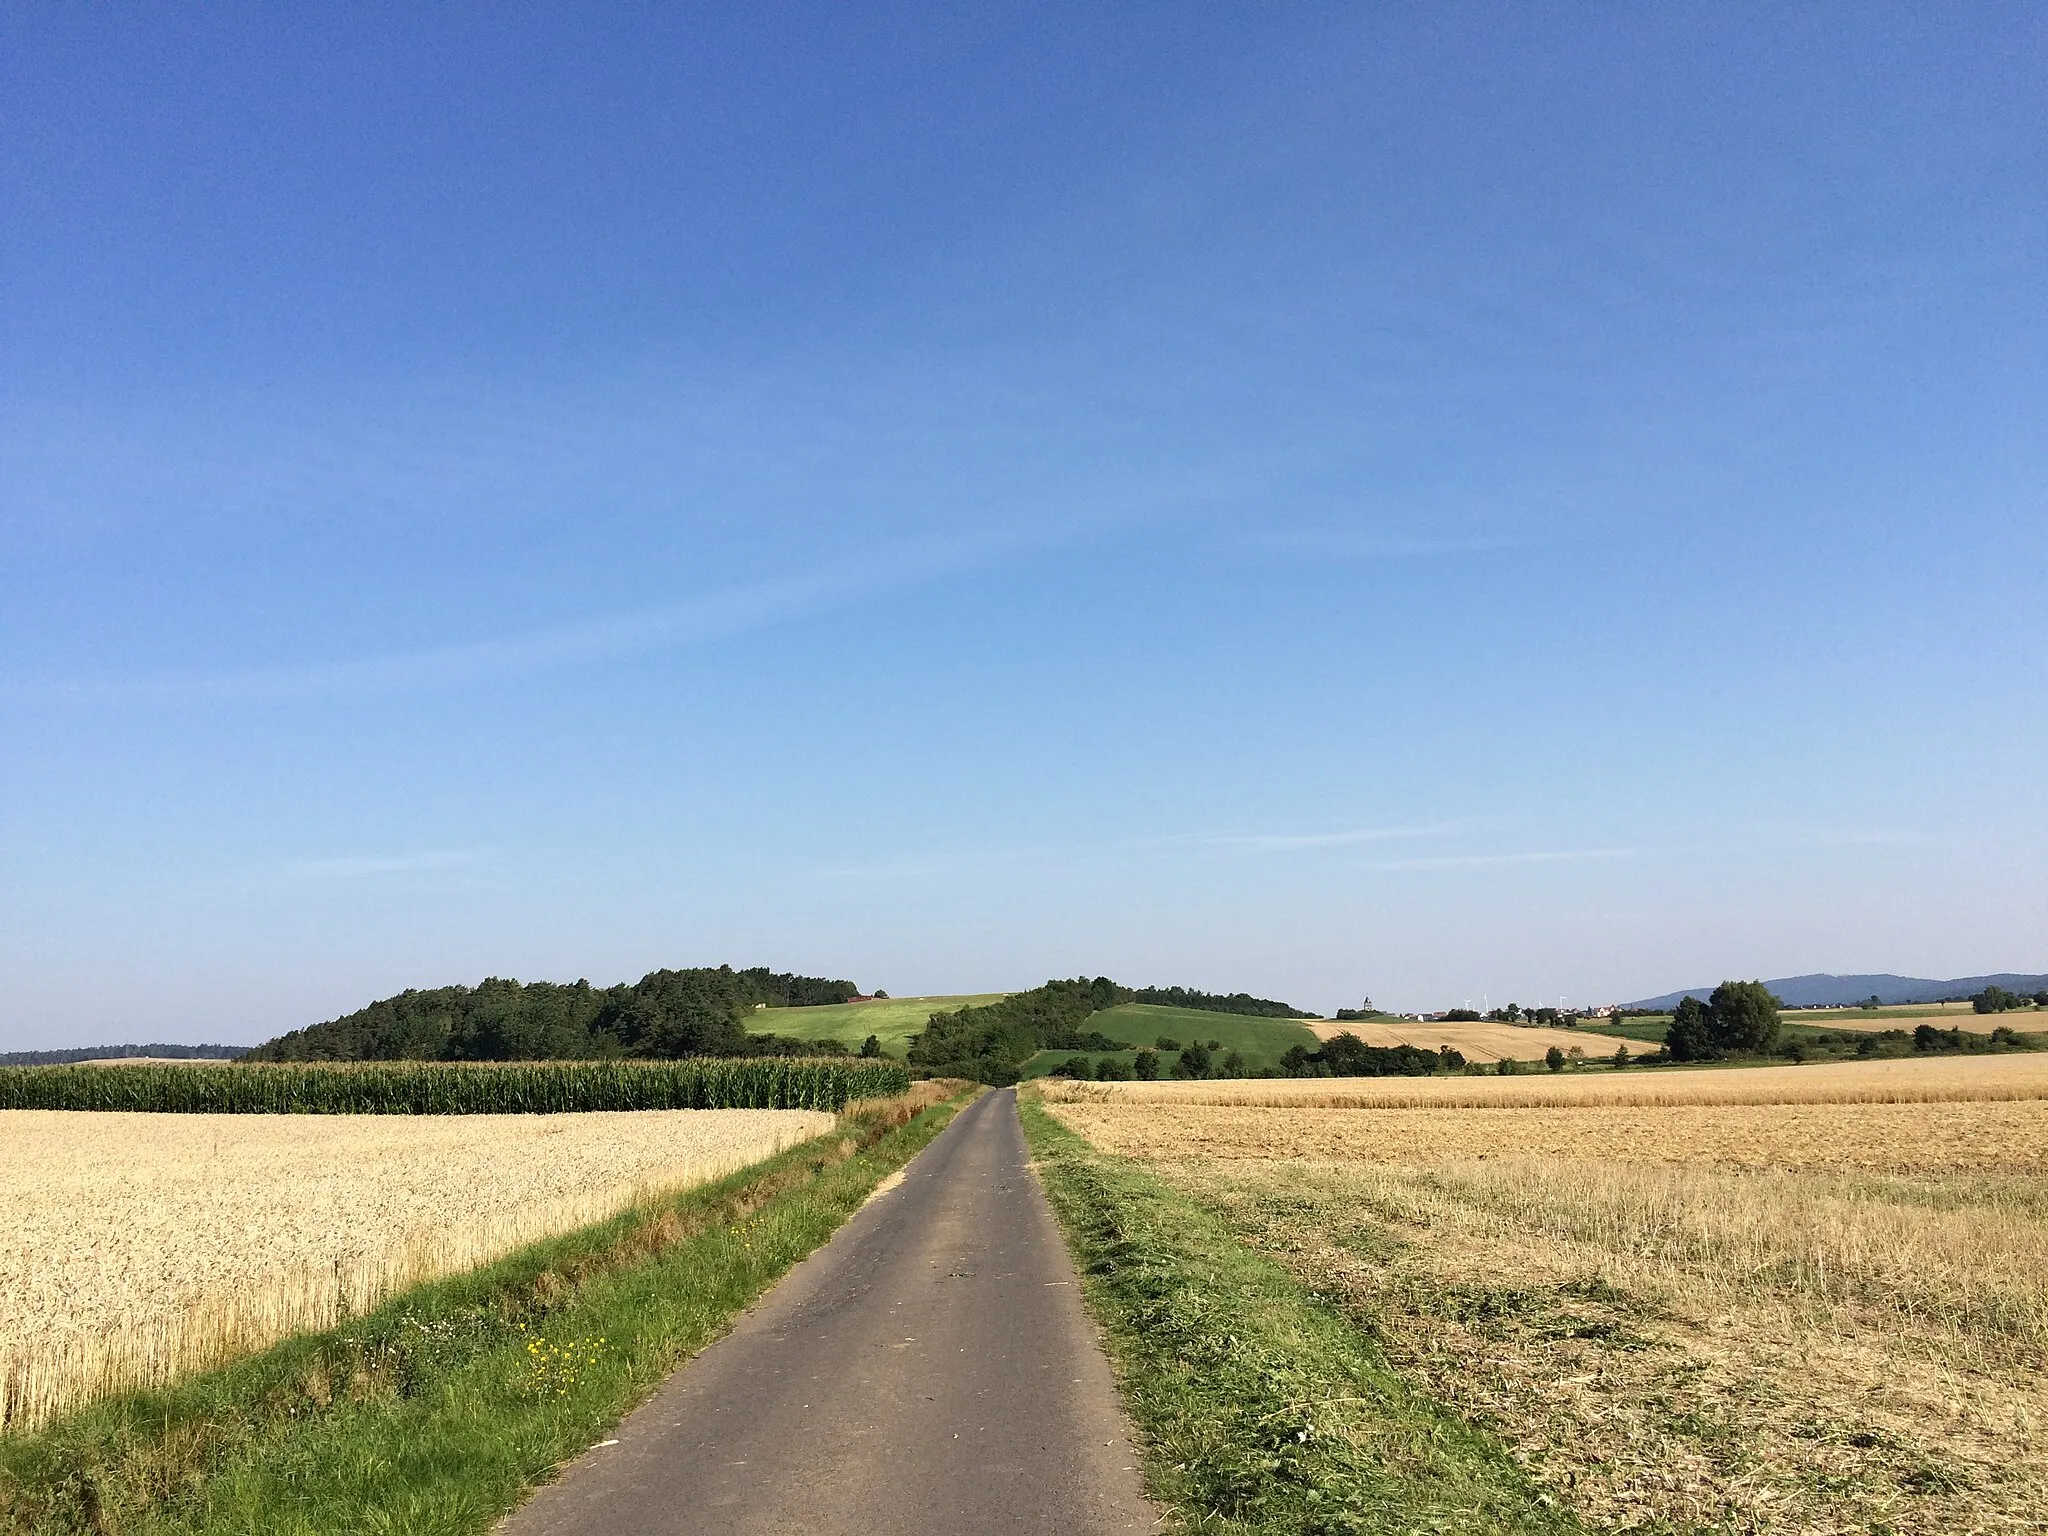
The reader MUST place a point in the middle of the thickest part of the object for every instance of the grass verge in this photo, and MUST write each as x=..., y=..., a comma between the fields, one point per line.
x=437, y=1413
x=1260, y=1407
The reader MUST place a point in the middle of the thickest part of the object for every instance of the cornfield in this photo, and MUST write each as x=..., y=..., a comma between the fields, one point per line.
x=447, y=1088
x=141, y=1247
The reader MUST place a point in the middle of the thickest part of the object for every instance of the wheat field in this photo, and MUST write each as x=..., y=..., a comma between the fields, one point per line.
x=1998, y=1136
x=1906, y=1080
x=139, y=1247
x=1776, y=1300
x=1480, y=1040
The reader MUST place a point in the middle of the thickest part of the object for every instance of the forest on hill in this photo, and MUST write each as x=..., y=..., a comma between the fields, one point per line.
x=700, y=1011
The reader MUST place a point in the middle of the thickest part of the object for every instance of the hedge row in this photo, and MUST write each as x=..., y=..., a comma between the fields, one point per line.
x=442, y=1088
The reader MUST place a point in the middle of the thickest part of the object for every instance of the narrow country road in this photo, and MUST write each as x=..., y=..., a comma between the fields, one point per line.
x=930, y=1370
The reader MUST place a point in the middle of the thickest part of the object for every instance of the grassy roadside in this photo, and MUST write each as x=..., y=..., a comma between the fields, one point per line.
x=439, y=1411
x=1260, y=1407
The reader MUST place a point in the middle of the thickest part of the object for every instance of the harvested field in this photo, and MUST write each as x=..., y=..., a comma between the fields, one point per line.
x=1910, y=1080
x=1996, y=1137
x=1484, y=1042
x=1962, y=1018
x=140, y=1247
x=1781, y=1316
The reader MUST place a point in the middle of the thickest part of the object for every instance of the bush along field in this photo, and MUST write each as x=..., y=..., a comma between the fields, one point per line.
x=443, y=1088
x=438, y=1411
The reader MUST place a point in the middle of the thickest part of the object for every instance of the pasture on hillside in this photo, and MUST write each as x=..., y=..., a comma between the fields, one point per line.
x=1261, y=1041
x=893, y=1020
x=1784, y=1300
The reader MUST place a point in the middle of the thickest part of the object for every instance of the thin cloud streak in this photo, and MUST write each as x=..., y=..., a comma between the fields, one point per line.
x=1293, y=842
x=1488, y=860
x=382, y=864
x=1059, y=857
x=733, y=611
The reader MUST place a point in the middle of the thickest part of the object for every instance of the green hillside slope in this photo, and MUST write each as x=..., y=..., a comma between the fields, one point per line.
x=893, y=1020
x=1262, y=1042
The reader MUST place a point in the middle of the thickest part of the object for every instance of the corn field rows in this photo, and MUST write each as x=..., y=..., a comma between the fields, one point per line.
x=445, y=1088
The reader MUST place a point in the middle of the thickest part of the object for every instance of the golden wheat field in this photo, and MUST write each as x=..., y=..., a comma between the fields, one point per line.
x=1482, y=1040
x=138, y=1247
x=1705, y=1300
x=1911, y=1080
x=1994, y=1137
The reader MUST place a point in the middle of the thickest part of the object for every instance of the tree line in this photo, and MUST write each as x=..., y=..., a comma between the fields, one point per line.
x=158, y=1051
x=1218, y=1002
x=700, y=1011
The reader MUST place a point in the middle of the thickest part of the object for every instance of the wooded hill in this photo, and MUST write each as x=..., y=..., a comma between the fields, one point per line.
x=702, y=1011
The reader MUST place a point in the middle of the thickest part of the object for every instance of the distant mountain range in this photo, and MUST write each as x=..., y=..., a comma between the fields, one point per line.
x=1824, y=991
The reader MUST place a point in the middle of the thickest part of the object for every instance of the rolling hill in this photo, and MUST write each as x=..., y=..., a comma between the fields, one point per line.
x=1261, y=1041
x=1828, y=991
x=892, y=1020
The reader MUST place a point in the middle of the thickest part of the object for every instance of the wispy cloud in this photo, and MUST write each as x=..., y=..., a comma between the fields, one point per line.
x=1820, y=836
x=731, y=611
x=382, y=864
x=1294, y=842
x=1489, y=860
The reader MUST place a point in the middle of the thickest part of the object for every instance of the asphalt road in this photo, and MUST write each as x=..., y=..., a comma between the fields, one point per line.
x=929, y=1370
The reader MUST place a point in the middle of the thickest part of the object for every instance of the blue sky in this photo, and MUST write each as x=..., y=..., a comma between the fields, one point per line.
x=1432, y=502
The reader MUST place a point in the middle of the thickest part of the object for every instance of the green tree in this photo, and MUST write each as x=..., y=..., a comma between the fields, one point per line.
x=872, y=1046
x=1554, y=1059
x=1743, y=1016
x=1689, y=1038
x=1621, y=1058
x=1146, y=1065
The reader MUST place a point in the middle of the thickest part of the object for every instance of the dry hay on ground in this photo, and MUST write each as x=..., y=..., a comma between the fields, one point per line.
x=139, y=1247
x=1910, y=1080
x=1719, y=1352
x=1483, y=1041
x=1779, y=1317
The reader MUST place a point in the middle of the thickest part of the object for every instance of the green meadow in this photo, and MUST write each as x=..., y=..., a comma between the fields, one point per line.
x=1261, y=1042
x=892, y=1020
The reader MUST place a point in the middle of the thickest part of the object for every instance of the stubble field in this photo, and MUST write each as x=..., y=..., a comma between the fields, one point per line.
x=1732, y=1303
x=141, y=1246
x=1481, y=1040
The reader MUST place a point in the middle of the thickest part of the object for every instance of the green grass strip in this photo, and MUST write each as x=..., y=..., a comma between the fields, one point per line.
x=440, y=1411
x=1260, y=1408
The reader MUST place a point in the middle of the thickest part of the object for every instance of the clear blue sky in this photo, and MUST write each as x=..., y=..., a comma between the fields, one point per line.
x=1433, y=501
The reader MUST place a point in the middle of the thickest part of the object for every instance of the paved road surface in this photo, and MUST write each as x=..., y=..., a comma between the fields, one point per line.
x=929, y=1370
